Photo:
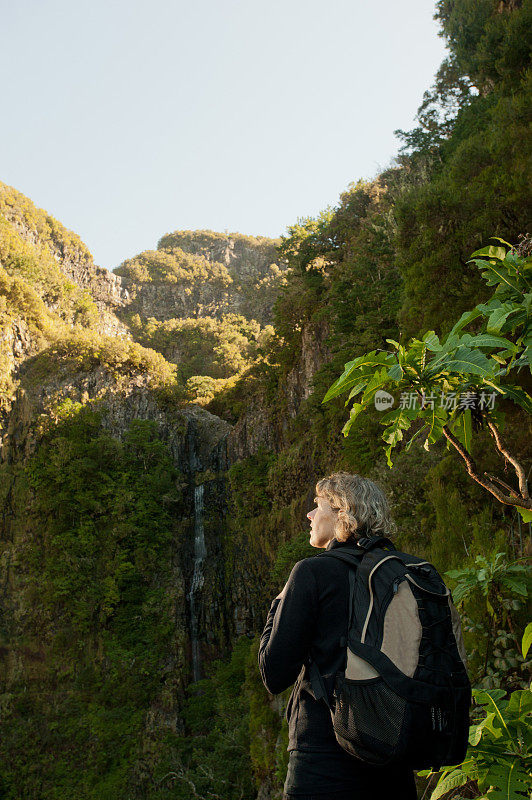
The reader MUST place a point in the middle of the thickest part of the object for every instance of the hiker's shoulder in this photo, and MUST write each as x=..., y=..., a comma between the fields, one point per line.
x=315, y=565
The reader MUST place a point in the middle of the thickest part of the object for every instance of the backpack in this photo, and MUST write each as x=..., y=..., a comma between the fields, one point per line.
x=403, y=696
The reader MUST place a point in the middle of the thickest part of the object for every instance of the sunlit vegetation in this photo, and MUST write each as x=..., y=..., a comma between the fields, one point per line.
x=174, y=266
x=102, y=607
x=389, y=260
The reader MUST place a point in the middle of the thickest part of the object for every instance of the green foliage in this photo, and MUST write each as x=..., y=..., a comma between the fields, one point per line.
x=34, y=264
x=288, y=554
x=204, y=346
x=504, y=588
x=18, y=209
x=489, y=575
x=174, y=266
x=248, y=482
x=527, y=640
x=81, y=351
x=480, y=186
x=309, y=243
x=499, y=756
x=488, y=39
x=213, y=758
x=460, y=365
x=264, y=723
x=96, y=551
x=203, y=241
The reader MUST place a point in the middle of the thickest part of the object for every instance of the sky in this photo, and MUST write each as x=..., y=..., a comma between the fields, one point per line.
x=128, y=119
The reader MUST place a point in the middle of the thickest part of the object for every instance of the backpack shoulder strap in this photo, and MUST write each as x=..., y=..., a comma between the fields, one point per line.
x=351, y=558
x=367, y=543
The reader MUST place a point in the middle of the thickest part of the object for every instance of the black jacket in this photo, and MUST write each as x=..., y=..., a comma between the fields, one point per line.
x=309, y=619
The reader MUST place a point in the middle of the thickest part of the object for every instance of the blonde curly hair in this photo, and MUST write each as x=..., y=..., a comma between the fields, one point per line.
x=359, y=503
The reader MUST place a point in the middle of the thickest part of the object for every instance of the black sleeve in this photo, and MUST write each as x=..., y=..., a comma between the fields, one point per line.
x=289, y=630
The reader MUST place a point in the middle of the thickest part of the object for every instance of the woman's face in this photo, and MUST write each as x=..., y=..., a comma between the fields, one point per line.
x=322, y=521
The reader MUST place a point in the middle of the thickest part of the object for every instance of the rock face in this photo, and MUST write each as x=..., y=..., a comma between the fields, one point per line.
x=196, y=440
x=166, y=301
x=257, y=427
x=246, y=257
x=314, y=353
x=73, y=259
x=246, y=278
x=17, y=344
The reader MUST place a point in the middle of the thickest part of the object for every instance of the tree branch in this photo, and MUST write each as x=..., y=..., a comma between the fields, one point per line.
x=522, y=500
x=513, y=492
x=520, y=472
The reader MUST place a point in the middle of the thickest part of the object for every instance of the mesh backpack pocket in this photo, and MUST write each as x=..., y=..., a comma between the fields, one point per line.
x=368, y=719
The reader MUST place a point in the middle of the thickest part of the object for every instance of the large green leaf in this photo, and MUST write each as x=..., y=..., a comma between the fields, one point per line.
x=518, y=395
x=514, y=584
x=465, y=319
x=353, y=414
x=490, y=252
x=465, y=587
x=498, y=239
x=527, y=641
x=400, y=419
x=475, y=734
x=506, y=779
x=520, y=702
x=396, y=372
x=432, y=341
x=462, y=429
x=463, y=361
x=355, y=370
x=525, y=359
x=526, y=513
x=435, y=419
x=494, y=273
x=379, y=380
x=454, y=779
x=493, y=699
x=487, y=340
x=498, y=317
x=357, y=388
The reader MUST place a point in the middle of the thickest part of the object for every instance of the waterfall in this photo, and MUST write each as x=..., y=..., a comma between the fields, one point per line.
x=197, y=579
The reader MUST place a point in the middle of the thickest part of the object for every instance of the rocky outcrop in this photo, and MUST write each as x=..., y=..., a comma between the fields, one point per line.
x=247, y=258
x=260, y=425
x=39, y=229
x=314, y=353
x=165, y=301
x=17, y=343
x=244, y=275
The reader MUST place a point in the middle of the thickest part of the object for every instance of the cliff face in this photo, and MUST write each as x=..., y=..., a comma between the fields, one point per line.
x=224, y=273
x=260, y=425
x=246, y=257
x=74, y=261
x=212, y=581
x=202, y=619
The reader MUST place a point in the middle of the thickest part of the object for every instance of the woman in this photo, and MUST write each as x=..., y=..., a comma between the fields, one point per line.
x=309, y=617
